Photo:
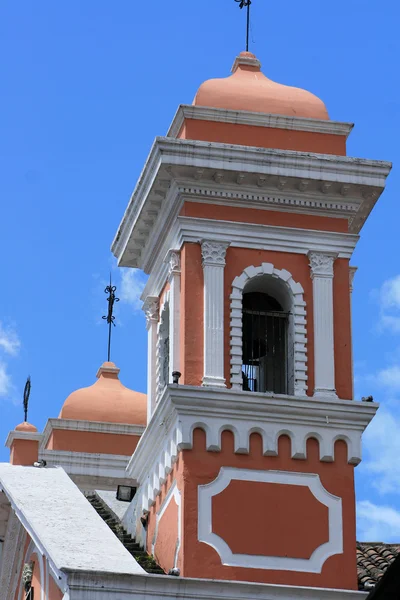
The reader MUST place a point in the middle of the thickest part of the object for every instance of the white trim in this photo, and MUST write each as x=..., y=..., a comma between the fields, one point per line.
x=155, y=198
x=32, y=549
x=312, y=481
x=183, y=408
x=321, y=265
x=255, y=119
x=213, y=262
x=11, y=558
x=247, y=235
x=174, y=277
x=154, y=587
x=22, y=435
x=299, y=314
x=173, y=493
x=85, y=463
x=151, y=308
x=90, y=426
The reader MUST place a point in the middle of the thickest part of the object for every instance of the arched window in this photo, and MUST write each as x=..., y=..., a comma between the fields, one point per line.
x=268, y=336
x=265, y=331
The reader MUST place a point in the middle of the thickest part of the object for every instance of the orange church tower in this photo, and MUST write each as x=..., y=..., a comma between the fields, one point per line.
x=245, y=218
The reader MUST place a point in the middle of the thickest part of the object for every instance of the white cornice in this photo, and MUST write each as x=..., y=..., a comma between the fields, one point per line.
x=84, y=463
x=183, y=407
x=89, y=426
x=23, y=435
x=153, y=587
x=284, y=180
x=256, y=119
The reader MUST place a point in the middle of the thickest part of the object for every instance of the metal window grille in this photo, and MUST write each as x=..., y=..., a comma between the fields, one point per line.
x=265, y=356
x=165, y=363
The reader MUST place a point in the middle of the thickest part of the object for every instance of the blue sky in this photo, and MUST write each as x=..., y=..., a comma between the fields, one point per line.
x=85, y=88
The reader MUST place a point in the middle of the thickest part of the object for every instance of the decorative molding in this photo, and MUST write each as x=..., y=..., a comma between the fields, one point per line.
x=173, y=259
x=352, y=272
x=250, y=61
x=27, y=571
x=159, y=588
x=14, y=543
x=151, y=308
x=321, y=264
x=298, y=322
x=213, y=253
x=23, y=435
x=187, y=156
x=89, y=426
x=312, y=481
x=184, y=408
x=87, y=464
x=255, y=119
x=173, y=494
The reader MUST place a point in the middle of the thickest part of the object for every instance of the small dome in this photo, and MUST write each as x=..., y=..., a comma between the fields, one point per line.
x=248, y=89
x=106, y=400
x=26, y=427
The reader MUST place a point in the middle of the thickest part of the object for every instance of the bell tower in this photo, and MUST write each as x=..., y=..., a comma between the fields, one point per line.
x=245, y=218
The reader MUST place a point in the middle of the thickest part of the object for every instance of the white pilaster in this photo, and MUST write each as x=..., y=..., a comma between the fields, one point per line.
x=324, y=361
x=151, y=307
x=174, y=259
x=213, y=254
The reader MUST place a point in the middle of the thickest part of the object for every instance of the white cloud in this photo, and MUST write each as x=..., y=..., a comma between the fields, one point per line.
x=132, y=286
x=377, y=523
x=381, y=442
x=5, y=381
x=389, y=299
x=9, y=341
x=390, y=377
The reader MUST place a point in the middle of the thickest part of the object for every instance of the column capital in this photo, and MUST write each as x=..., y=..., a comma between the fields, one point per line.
x=151, y=306
x=352, y=272
x=173, y=259
x=213, y=253
x=321, y=263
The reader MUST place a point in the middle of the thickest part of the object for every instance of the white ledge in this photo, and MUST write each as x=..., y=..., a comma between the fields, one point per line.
x=89, y=426
x=256, y=119
x=23, y=435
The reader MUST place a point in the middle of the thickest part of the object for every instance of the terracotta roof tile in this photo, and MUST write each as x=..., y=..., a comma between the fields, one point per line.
x=372, y=561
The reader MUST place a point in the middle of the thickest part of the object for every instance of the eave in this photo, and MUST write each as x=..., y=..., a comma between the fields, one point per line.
x=309, y=183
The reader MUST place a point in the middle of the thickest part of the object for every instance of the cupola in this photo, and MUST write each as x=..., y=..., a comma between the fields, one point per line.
x=248, y=89
x=107, y=400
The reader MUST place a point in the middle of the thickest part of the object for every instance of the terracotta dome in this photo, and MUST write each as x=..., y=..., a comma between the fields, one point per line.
x=248, y=89
x=25, y=426
x=106, y=400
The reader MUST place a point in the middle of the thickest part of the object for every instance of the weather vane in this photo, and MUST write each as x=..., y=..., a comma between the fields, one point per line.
x=243, y=4
x=110, y=289
x=27, y=393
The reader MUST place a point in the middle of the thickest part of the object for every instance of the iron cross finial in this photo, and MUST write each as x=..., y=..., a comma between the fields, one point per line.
x=243, y=4
x=110, y=318
x=27, y=393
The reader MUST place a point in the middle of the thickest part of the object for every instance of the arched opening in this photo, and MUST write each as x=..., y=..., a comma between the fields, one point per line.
x=266, y=332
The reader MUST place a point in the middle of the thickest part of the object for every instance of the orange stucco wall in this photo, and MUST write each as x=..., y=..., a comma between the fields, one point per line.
x=262, y=217
x=342, y=331
x=192, y=337
x=167, y=534
x=24, y=452
x=202, y=467
x=263, y=137
x=285, y=514
x=88, y=441
x=237, y=259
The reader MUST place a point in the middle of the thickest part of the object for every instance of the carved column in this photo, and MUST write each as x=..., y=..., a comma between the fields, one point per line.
x=151, y=307
x=174, y=278
x=321, y=265
x=213, y=254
